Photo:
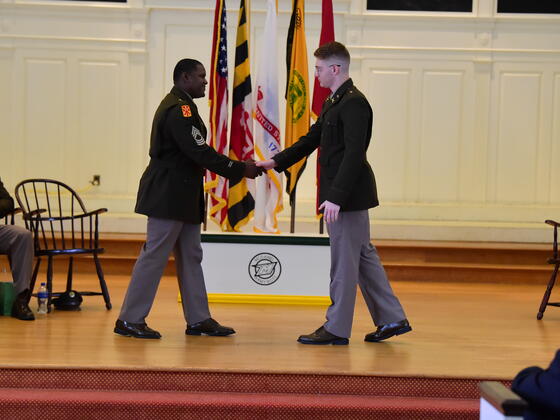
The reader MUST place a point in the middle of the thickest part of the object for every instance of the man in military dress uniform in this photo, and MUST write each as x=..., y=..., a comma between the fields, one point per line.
x=347, y=191
x=171, y=194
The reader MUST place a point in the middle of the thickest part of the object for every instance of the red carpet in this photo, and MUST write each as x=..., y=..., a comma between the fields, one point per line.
x=127, y=394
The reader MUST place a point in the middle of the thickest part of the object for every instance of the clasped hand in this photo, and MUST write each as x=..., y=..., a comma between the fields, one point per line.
x=251, y=169
x=266, y=164
x=254, y=169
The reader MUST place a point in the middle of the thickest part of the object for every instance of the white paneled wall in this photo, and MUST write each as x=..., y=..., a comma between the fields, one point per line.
x=391, y=87
x=555, y=138
x=467, y=106
x=44, y=98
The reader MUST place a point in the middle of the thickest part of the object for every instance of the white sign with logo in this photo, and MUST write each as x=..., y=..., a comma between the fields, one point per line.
x=265, y=269
x=295, y=266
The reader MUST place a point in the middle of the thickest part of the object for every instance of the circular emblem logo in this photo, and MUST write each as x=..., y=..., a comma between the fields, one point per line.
x=264, y=269
x=297, y=96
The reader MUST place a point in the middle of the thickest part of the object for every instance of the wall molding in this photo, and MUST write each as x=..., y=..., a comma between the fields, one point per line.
x=130, y=46
x=411, y=229
x=447, y=50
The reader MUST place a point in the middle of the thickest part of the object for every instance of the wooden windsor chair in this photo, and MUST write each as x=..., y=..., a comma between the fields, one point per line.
x=554, y=260
x=61, y=225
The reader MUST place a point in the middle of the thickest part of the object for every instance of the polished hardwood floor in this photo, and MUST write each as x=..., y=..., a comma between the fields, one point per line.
x=473, y=330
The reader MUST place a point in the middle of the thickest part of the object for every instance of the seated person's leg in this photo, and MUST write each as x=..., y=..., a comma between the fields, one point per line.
x=17, y=242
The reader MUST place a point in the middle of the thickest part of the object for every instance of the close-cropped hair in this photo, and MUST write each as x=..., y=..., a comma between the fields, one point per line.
x=332, y=50
x=186, y=65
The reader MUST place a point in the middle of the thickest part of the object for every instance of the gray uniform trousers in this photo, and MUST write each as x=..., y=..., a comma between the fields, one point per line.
x=163, y=237
x=354, y=260
x=17, y=242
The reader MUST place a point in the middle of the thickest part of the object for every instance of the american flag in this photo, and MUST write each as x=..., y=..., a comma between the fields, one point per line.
x=215, y=185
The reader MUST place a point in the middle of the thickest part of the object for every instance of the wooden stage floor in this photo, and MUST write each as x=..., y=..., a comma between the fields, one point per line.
x=459, y=330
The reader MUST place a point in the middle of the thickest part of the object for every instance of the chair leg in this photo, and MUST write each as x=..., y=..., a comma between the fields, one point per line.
x=546, y=296
x=102, y=283
x=69, y=278
x=34, y=278
x=49, y=282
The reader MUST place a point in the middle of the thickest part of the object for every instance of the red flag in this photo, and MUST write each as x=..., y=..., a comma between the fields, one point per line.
x=327, y=35
x=215, y=185
x=321, y=93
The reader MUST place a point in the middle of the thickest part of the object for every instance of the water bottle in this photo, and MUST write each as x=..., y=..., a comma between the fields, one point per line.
x=42, y=298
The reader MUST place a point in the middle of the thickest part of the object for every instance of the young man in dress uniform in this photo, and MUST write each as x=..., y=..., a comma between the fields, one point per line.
x=347, y=191
x=171, y=194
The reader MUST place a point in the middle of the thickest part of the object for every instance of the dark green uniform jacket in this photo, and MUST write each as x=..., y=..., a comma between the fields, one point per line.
x=172, y=184
x=343, y=133
x=6, y=202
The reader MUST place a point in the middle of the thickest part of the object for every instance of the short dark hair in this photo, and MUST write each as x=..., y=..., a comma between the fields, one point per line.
x=186, y=65
x=332, y=49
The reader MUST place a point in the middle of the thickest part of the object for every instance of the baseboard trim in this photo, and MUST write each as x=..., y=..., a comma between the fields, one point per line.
x=269, y=299
x=381, y=228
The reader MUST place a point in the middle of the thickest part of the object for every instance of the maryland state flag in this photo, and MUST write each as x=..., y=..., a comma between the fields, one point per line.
x=320, y=94
x=241, y=203
x=215, y=185
x=297, y=91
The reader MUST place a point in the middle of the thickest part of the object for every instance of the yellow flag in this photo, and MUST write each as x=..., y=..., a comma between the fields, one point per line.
x=297, y=90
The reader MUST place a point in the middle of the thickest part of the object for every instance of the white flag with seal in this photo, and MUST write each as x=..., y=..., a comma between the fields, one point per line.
x=268, y=201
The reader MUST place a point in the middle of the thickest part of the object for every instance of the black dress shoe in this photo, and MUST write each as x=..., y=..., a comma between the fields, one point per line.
x=209, y=327
x=20, y=307
x=130, y=329
x=386, y=331
x=322, y=336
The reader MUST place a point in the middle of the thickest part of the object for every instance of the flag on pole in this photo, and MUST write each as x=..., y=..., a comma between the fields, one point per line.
x=216, y=186
x=297, y=90
x=241, y=203
x=268, y=201
x=327, y=35
x=320, y=94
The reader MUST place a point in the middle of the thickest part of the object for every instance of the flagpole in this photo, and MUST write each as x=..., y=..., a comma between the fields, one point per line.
x=205, y=222
x=293, y=210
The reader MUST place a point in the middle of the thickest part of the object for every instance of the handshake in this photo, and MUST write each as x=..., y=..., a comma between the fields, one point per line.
x=254, y=169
